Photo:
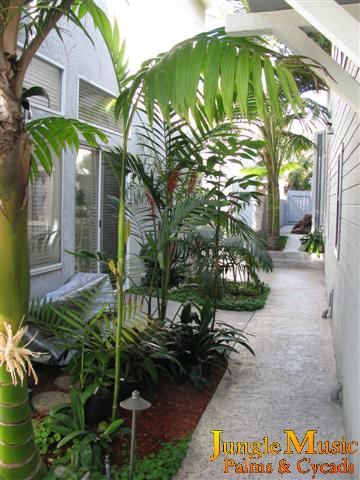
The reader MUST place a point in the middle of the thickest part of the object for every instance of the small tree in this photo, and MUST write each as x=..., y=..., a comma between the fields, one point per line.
x=283, y=144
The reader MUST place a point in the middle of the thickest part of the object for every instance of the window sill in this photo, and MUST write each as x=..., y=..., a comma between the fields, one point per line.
x=49, y=268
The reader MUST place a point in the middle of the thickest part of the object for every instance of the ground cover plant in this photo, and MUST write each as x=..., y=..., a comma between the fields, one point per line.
x=281, y=243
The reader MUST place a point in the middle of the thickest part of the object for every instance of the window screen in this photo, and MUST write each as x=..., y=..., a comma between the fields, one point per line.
x=44, y=224
x=96, y=106
x=48, y=76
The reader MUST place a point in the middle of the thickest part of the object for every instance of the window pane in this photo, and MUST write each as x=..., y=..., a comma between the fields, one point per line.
x=43, y=74
x=96, y=106
x=44, y=218
x=86, y=199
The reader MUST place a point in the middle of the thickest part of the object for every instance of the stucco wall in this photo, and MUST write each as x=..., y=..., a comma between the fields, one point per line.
x=343, y=273
x=170, y=22
x=78, y=57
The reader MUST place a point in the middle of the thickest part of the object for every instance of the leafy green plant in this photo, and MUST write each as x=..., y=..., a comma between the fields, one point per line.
x=45, y=438
x=313, y=242
x=199, y=346
x=299, y=178
x=92, y=343
x=148, y=355
x=86, y=446
x=161, y=465
x=242, y=301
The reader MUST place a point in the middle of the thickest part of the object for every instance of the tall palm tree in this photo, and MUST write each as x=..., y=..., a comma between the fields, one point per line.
x=283, y=144
x=21, y=147
x=209, y=69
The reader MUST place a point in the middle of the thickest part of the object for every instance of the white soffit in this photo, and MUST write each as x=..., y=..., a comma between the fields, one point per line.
x=334, y=22
x=287, y=26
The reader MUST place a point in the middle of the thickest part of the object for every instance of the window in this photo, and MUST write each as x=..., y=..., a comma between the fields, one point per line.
x=48, y=76
x=44, y=222
x=338, y=202
x=87, y=207
x=97, y=106
x=109, y=214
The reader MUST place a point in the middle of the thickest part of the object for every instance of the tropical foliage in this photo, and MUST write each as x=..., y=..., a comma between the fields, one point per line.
x=313, y=242
x=284, y=146
x=30, y=23
x=300, y=177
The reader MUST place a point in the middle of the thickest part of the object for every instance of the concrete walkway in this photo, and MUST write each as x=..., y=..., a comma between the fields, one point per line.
x=286, y=387
x=293, y=243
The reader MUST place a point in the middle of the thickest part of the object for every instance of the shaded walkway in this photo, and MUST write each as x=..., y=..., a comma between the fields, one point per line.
x=287, y=386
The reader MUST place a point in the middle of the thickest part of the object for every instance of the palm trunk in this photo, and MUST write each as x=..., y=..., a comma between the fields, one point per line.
x=19, y=458
x=120, y=278
x=165, y=283
x=276, y=213
x=270, y=211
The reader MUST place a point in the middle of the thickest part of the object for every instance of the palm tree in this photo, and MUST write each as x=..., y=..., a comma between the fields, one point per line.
x=209, y=69
x=22, y=146
x=283, y=147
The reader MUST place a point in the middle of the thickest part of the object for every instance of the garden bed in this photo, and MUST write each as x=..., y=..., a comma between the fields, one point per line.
x=281, y=244
x=163, y=431
x=237, y=297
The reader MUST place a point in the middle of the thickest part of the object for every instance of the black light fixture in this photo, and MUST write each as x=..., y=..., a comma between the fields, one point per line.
x=329, y=128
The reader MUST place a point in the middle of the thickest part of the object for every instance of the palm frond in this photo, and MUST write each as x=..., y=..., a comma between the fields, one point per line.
x=196, y=62
x=52, y=135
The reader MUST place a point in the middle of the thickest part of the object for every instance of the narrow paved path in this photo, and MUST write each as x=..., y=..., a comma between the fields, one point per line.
x=286, y=387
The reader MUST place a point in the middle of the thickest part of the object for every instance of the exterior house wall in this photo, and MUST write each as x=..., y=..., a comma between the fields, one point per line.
x=342, y=268
x=81, y=59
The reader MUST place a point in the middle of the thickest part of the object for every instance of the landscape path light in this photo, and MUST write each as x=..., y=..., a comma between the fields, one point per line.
x=135, y=403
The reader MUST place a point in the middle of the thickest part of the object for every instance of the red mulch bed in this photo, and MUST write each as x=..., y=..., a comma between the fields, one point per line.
x=175, y=412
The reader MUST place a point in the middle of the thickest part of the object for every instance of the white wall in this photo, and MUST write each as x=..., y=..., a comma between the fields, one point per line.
x=343, y=273
x=152, y=27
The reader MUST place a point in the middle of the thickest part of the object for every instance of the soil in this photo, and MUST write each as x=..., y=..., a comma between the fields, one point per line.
x=175, y=413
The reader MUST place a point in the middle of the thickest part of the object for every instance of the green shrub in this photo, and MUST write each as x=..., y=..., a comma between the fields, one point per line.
x=248, y=299
x=45, y=439
x=162, y=465
x=313, y=242
x=199, y=344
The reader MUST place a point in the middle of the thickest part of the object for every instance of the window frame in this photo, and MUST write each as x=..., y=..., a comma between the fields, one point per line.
x=58, y=265
x=102, y=89
x=61, y=67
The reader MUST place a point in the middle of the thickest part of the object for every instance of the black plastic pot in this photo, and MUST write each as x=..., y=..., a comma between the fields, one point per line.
x=126, y=389
x=98, y=407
